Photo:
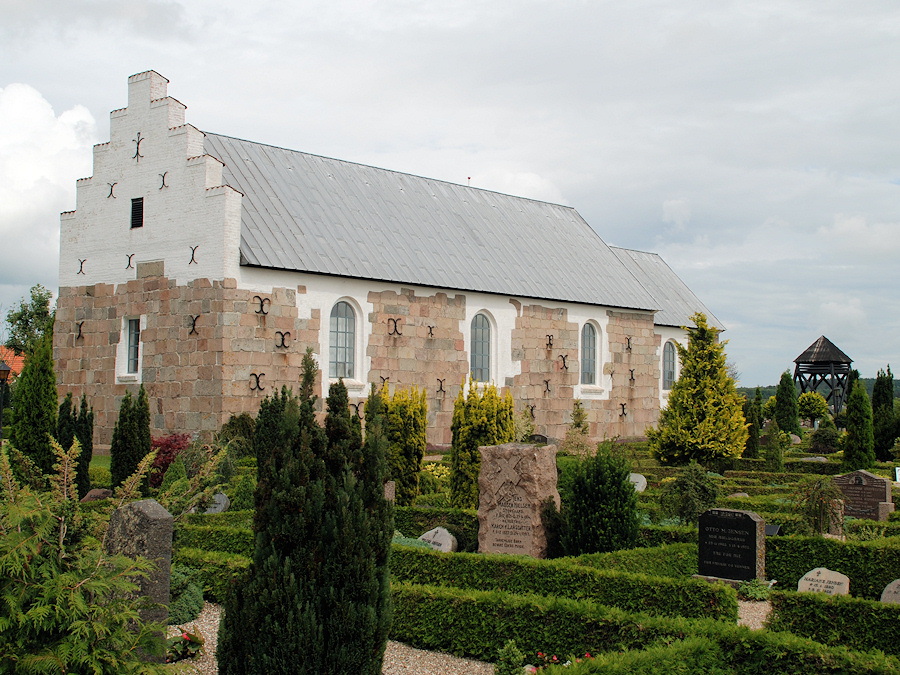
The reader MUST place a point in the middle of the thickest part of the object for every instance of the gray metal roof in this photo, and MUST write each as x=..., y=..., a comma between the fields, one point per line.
x=676, y=302
x=308, y=213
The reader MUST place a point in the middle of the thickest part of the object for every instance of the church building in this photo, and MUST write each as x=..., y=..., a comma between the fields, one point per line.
x=203, y=267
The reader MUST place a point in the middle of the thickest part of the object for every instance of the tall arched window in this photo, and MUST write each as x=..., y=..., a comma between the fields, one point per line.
x=342, y=336
x=481, y=348
x=668, y=366
x=588, y=354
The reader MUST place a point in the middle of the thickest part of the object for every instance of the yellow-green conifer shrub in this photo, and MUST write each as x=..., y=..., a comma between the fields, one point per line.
x=480, y=418
x=703, y=419
x=407, y=422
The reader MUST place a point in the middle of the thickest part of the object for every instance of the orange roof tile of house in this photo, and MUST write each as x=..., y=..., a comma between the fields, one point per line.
x=13, y=361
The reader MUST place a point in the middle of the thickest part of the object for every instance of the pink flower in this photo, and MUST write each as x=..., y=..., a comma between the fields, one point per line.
x=185, y=636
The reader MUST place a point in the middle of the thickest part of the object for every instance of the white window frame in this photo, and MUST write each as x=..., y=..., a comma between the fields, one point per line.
x=124, y=350
x=669, y=348
x=595, y=373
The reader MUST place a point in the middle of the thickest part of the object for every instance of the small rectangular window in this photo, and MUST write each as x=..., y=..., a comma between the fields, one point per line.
x=137, y=212
x=134, y=345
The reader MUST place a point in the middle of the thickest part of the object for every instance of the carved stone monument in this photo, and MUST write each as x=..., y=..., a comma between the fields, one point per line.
x=891, y=593
x=440, y=539
x=823, y=580
x=866, y=495
x=732, y=545
x=144, y=529
x=515, y=479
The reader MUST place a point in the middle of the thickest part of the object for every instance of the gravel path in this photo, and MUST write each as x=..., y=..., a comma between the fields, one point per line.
x=400, y=659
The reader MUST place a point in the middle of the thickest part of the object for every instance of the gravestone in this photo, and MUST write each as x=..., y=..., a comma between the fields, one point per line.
x=144, y=529
x=515, y=479
x=735, y=495
x=732, y=545
x=97, y=494
x=814, y=459
x=891, y=593
x=390, y=491
x=639, y=481
x=220, y=503
x=865, y=495
x=440, y=539
x=823, y=580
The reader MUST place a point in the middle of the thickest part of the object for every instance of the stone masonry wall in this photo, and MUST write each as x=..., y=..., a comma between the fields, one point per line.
x=429, y=351
x=197, y=373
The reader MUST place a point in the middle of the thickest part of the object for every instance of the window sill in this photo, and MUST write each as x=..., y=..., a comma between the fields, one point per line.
x=591, y=391
x=353, y=386
x=126, y=378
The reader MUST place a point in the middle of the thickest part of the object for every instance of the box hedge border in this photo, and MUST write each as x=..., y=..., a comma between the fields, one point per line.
x=871, y=565
x=477, y=624
x=859, y=624
x=525, y=576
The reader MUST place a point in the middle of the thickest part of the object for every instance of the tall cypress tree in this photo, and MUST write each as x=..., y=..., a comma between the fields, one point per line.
x=859, y=442
x=84, y=432
x=131, y=437
x=753, y=414
x=35, y=402
x=316, y=596
x=883, y=418
x=787, y=411
x=406, y=416
x=703, y=419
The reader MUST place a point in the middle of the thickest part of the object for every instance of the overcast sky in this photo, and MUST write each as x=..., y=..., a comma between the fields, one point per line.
x=754, y=145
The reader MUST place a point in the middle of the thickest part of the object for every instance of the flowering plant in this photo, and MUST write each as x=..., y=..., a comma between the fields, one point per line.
x=546, y=660
x=185, y=645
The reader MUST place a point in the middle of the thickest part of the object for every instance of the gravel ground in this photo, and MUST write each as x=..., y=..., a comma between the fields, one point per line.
x=398, y=658
x=402, y=660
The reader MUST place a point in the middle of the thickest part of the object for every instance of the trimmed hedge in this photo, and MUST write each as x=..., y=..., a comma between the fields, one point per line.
x=879, y=528
x=871, y=565
x=521, y=575
x=858, y=624
x=219, y=538
x=477, y=624
x=228, y=519
x=214, y=571
x=652, y=536
x=677, y=561
x=414, y=521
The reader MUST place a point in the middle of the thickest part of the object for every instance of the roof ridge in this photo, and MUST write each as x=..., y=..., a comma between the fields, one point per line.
x=394, y=171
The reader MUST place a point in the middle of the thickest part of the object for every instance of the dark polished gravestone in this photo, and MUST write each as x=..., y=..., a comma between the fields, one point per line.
x=865, y=495
x=732, y=545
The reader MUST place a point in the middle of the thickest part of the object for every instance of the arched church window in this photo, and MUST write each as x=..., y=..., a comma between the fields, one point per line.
x=342, y=338
x=481, y=349
x=668, y=365
x=588, y=354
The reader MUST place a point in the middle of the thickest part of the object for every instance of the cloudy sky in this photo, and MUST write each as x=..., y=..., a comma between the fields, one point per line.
x=754, y=145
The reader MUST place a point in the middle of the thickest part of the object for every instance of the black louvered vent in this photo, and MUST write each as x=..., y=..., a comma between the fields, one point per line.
x=137, y=212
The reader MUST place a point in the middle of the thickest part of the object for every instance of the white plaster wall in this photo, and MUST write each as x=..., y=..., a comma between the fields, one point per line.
x=667, y=333
x=194, y=210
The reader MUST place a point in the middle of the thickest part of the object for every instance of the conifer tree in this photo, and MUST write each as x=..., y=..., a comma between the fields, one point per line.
x=84, y=432
x=703, y=419
x=407, y=422
x=35, y=403
x=478, y=420
x=601, y=513
x=131, y=437
x=776, y=441
x=65, y=423
x=316, y=597
x=884, y=419
x=859, y=442
x=753, y=414
x=786, y=408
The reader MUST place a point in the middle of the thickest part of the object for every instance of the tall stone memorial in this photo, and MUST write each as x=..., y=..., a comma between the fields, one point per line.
x=144, y=529
x=515, y=479
x=865, y=495
x=732, y=545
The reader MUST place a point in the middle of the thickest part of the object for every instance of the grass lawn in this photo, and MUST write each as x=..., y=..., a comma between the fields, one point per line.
x=101, y=461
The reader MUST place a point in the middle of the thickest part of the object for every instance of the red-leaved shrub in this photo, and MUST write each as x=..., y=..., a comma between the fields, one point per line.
x=167, y=449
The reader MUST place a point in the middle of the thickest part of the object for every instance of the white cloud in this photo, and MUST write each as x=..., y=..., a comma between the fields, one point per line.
x=41, y=155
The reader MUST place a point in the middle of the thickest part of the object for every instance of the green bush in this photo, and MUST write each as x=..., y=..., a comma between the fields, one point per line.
x=186, y=601
x=215, y=572
x=406, y=420
x=860, y=529
x=651, y=536
x=824, y=441
x=859, y=624
x=415, y=521
x=601, y=512
x=100, y=477
x=221, y=538
x=871, y=565
x=477, y=624
x=228, y=518
x=562, y=578
x=669, y=560
x=690, y=494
